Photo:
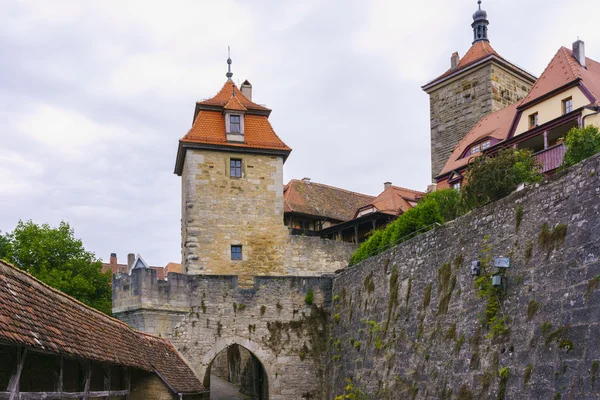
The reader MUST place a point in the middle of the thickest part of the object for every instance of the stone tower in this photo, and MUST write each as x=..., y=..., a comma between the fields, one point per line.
x=476, y=85
x=231, y=165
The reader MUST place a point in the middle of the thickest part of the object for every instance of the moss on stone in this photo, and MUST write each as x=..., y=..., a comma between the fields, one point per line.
x=393, y=297
x=263, y=310
x=532, y=309
x=459, y=344
x=464, y=393
x=451, y=332
x=594, y=371
x=549, y=239
x=528, y=251
x=592, y=286
x=518, y=216
x=527, y=374
x=369, y=284
x=446, y=284
x=427, y=296
x=308, y=299
x=503, y=374
x=546, y=326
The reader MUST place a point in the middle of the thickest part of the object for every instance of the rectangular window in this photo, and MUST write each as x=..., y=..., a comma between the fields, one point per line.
x=234, y=123
x=533, y=120
x=567, y=105
x=468, y=98
x=456, y=186
x=235, y=168
x=475, y=149
x=485, y=145
x=236, y=251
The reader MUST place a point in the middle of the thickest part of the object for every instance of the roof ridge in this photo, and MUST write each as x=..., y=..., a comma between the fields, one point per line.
x=574, y=69
x=63, y=294
x=333, y=187
x=410, y=190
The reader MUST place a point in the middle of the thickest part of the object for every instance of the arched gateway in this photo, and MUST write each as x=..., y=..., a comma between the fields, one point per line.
x=236, y=366
x=203, y=315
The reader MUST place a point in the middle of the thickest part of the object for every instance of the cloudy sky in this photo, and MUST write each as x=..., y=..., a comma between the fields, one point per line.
x=94, y=96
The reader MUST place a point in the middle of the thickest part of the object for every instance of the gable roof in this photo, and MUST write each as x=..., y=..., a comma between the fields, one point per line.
x=37, y=316
x=562, y=70
x=395, y=200
x=495, y=125
x=479, y=51
x=321, y=200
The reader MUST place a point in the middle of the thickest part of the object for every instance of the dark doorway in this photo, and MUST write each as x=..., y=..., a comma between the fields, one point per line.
x=236, y=374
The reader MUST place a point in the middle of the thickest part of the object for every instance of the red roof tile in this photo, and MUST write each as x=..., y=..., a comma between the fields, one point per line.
x=226, y=93
x=40, y=317
x=209, y=128
x=496, y=125
x=396, y=200
x=234, y=104
x=321, y=200
x=564, y=69
x=478, y=51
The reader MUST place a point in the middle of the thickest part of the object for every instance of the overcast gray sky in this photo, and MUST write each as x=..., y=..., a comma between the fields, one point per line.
x=94, y=96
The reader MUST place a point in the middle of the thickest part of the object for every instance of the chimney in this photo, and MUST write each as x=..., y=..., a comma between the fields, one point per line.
x=579, y=52
x=432, y=187
x=454, y=59
x=386, y=185
x=130, y=261
x=113, y=259
x=306, y=180
x=246, y=89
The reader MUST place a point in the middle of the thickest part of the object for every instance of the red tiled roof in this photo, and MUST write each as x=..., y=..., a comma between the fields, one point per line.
x=234, y=104
x=173, y=267
x=322, y=200
x=115, y=268
x=35, y=315
x=226, y=93
x=209, y=128
x=396, y=200
x=563, y=69
x=496, y=125
x=478, y=51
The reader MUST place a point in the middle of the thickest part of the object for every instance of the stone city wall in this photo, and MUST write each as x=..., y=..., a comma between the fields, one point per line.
x=313, y=256
x=411, y=322
x=202, y=315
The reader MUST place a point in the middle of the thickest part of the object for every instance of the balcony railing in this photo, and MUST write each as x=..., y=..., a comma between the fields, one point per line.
x=551, y=158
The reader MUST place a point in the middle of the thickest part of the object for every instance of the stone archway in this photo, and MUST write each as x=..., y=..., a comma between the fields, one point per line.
x=259, y=361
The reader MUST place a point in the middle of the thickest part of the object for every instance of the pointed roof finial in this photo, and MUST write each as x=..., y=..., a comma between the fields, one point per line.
x=229, y=74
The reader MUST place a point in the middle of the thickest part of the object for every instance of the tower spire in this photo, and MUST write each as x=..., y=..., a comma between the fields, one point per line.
x=229, y=74
x=479, y=25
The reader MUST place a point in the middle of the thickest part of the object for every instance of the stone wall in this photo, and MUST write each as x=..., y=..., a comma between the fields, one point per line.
x=271, y=320
x=438, y=345
x=313, y=256
x=458, y=104
x=219, y=211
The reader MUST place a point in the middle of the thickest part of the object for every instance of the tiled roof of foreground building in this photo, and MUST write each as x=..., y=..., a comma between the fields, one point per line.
x=305, y=197
x=37, y=316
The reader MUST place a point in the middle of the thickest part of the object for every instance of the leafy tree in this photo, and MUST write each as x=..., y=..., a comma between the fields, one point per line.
x=492, y=178
x=581, y=144
x=448, y=202
x=57, y=258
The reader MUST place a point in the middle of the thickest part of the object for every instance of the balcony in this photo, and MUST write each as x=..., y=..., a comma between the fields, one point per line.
x=551, y=158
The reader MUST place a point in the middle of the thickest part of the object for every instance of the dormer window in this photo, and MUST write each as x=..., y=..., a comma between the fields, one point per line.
x=485, y=145
x=234, y=123
x=234, y=126
x=475, y=149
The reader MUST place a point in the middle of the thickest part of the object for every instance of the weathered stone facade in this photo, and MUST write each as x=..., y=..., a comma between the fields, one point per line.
x=202, y=315
x=313, y=256
x=437, y=344
x=219, y=211
x=458, y=103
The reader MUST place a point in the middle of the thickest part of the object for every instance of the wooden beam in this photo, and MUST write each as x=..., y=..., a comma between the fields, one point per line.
x=59, y=384
x=107, y=381
x=64, y=395
x=88, y=378
x=13, y=385
x=127, y=383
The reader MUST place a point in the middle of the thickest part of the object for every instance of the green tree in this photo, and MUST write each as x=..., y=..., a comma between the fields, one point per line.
x=494, y=177
x=57, y=258
x=581, y=144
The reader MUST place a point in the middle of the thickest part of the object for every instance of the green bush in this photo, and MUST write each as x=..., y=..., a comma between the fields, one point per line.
x=437, y=207
x=581, y=144
x=308, y=299
x=492, y=178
